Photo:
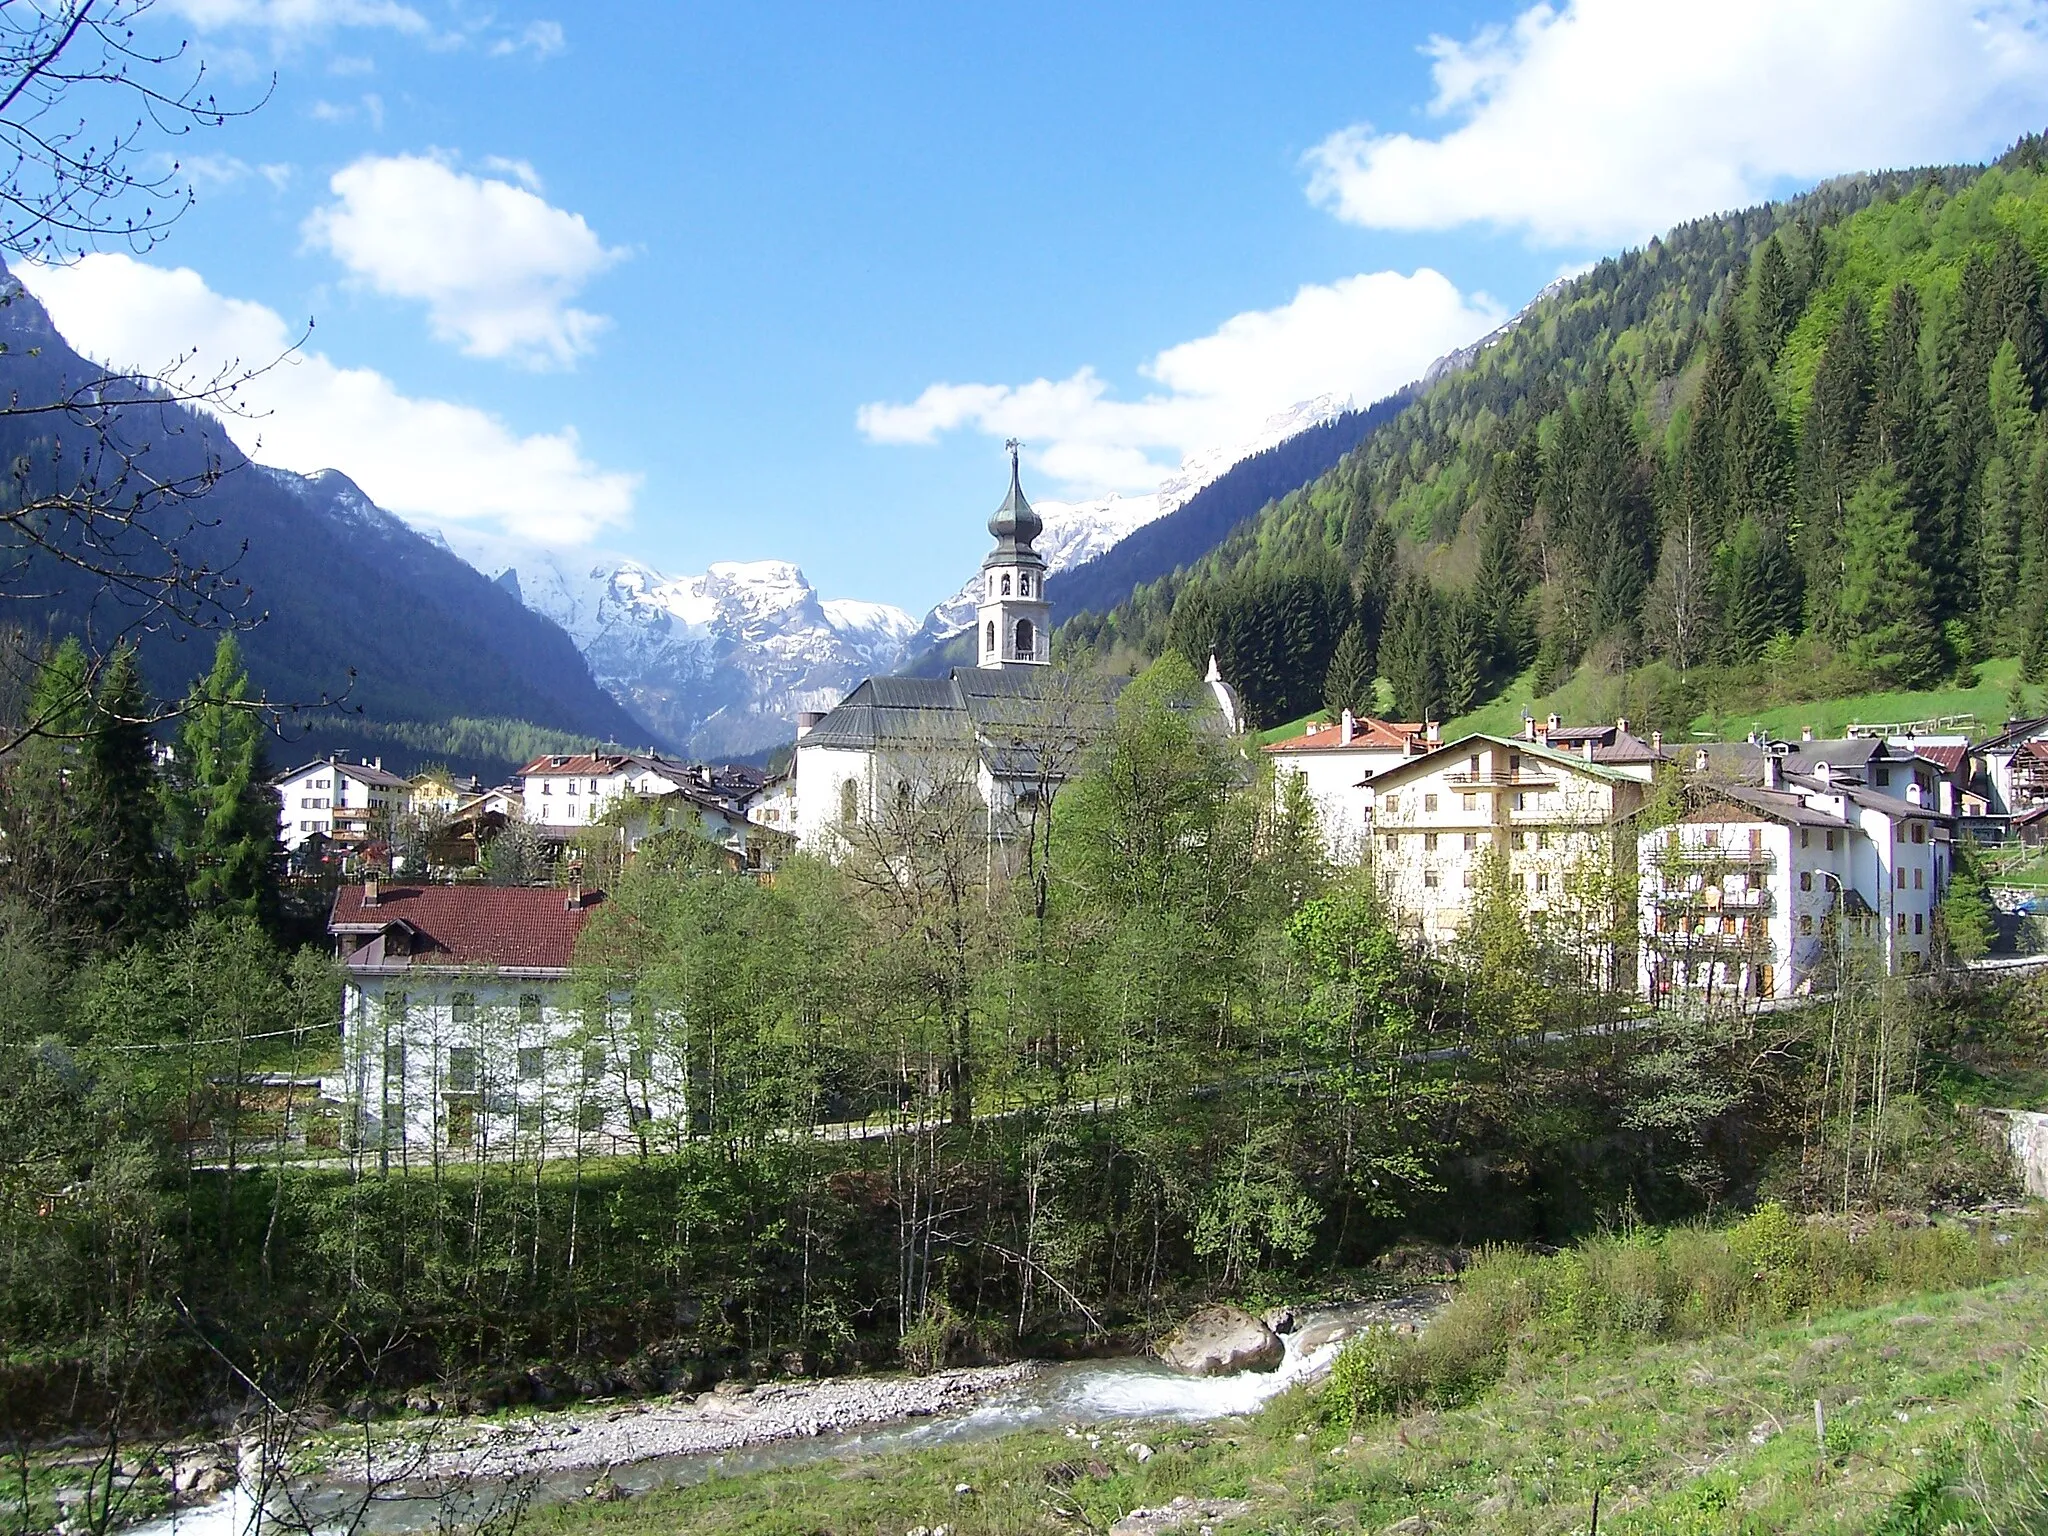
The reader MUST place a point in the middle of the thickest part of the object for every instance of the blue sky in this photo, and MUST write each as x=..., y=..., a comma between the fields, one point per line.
x=741, y=282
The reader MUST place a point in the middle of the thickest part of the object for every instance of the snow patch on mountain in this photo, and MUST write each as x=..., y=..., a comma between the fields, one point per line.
x=1076, y=532
x=716, y=664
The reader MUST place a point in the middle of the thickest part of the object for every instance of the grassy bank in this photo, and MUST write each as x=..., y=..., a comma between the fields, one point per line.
x=1932, y=1405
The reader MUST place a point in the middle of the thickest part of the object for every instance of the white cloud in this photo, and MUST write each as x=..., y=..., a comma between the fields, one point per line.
x=1362, y=336
x=542, y=39
x=1610, y=120
x=428, y=460
x=495, y=264
x=293, y=19
x=231, y=170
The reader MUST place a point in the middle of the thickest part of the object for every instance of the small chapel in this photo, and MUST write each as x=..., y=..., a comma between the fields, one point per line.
x=1010, y=728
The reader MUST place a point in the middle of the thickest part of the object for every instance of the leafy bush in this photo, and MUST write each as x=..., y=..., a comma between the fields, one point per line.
x=1681, y=1282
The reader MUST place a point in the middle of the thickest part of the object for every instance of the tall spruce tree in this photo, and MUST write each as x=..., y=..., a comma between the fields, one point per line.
x=221, y=809
x=1887, y=591
x=1348, y=683
x=119, y=780
x=1758, y=589
x=1831, y=453
x=1778, y=299
x=1410, y=653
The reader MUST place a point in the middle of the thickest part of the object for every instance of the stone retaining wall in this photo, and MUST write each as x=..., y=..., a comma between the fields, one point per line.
x=2026, y=1133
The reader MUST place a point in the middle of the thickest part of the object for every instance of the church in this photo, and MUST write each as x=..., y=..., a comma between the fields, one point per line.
x=1008, y=731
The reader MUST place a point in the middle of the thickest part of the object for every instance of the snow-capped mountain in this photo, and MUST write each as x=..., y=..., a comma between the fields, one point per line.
x=719, y=663
x=1076, y=532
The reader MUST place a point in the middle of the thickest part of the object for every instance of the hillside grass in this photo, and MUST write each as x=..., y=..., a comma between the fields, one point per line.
x=1933, y=1408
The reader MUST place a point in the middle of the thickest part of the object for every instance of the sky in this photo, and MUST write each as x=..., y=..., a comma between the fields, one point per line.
x=775, y=281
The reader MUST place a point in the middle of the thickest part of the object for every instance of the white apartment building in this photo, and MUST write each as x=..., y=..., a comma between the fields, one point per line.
x=1337, y=761
x=460, y=1033
x=1557, y=818
x=338, y=800
x=565, y=792
x=1742, y=897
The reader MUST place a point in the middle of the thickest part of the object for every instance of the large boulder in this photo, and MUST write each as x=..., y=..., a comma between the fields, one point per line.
x=1220, y=1340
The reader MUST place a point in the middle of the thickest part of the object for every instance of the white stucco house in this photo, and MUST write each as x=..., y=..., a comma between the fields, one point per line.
x=336, y=799
x=561, y=793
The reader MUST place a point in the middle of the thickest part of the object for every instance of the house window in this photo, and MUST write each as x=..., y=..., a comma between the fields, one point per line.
x=1428, y=803
x=394, y=1007
x=1429, y=879
x=1542, y=883
x=1902, y=922
x=1393, y=804
x=1026, y=641
x=1468, y=881
x=394, y=1061
x=1805, y=836
x=1919, y=831
x=572, y=787
x=1919, y=879
x=547, y=786
x=1884, y=778
x=593, y=1064
x=1542, y=839
x=641, y=1065
x=462, y=1007
x=533, y=1062
x=1918, y=921
x=1393, y=843
x=1806, y=922
x=1900, y=828
x=529, y=1007
x=1518, y=840
x=1806, y=879
x=1831, y=842
x=462, y=1069
x=1902, y=879
x=849, y=795
x=1521, y=801
x=530, y=1117
x=1471, y=842
x=1429, y=842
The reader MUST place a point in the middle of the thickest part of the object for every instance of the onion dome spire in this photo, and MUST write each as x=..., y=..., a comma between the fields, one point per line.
x=1015, y=525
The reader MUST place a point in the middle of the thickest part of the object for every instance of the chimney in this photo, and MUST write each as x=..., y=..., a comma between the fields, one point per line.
x=1348, y=729
x=1774, y=771
x=575, y=898
x=807, y=722
x=1587, y=748
x=1433, y=733
x=1528, y=726
x=370, y=894
x=1621, y=725
x=1806, y=733
x=1656, y=741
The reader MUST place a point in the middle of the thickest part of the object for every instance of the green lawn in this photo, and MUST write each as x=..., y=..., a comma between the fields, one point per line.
x=1716, y=1435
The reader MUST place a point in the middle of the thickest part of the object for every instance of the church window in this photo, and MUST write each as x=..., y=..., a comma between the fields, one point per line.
x=1024, y=638
x=1024, y=586
x=1006, y=586
x=991, y=646
x=849, y=800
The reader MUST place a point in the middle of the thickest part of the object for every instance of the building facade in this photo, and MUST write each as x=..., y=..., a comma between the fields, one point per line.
x=1765, y=887
x=340, y=801
x=461, y=1035
x=1337, y=763
x=1554, y=824
x=561, y=793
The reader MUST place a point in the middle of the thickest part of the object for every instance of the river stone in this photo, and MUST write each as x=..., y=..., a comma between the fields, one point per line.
x=1219, y=1341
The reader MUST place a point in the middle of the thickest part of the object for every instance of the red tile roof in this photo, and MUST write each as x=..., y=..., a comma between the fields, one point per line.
x=582, y=763
x=513, y=927
x=1368, y=734
x=1950, y=758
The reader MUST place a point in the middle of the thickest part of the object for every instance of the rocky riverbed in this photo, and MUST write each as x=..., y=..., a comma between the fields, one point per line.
x=729, y=1417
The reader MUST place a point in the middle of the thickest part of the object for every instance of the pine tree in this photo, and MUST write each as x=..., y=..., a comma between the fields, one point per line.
x=1757, y=456
x=221, y=809
x=1780, y=295
x=1410, y=656
x=1500, y=587
x=1887, y=592
x=1830, y=453
x=1758, y=589
x=1464, y=644
x=2016, y=294
x=1348, y=683
x=120, y=784
x=1997, y=556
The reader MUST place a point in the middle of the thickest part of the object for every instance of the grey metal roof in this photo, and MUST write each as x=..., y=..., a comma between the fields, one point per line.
x=1006, y=716
x=1015, y=524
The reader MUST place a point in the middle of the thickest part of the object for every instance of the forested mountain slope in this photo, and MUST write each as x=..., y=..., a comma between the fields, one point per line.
x=345, y=600
x=1807, y=432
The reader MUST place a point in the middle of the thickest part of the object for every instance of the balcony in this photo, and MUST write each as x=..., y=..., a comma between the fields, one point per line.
x=1514, y=778
x=1715, y=858
x=1713, y=899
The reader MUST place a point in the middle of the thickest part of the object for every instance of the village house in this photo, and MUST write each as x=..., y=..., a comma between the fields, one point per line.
x=343, y=802
x=1555, y=820
x=460, y=1031
x=1745, y=895
x=434, y=793
x=1007, y=732
x=564, y=792
x=1336, y=762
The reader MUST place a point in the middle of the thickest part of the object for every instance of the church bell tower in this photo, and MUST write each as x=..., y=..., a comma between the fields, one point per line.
x=1013, y=627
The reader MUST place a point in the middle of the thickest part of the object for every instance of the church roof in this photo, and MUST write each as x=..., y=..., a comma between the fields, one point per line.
x=1007, y=716
x=1015, y=524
